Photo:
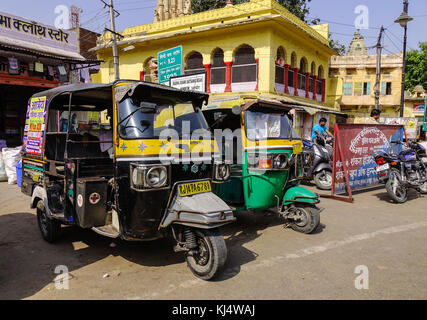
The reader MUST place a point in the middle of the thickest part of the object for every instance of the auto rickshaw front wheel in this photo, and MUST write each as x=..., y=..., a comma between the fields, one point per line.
x=209, y=254
x=49, y=228
x=305, y=219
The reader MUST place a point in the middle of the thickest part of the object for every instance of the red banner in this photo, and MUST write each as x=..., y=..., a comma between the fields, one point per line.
x=354, y=146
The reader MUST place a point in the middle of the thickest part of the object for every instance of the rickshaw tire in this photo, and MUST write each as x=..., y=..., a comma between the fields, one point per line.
x=218, y=254
x=313, y=214
x=49, y=228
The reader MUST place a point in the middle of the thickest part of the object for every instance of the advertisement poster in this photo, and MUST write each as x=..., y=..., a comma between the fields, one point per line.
x=410, y=125
x=353, y=149
x=35, y=125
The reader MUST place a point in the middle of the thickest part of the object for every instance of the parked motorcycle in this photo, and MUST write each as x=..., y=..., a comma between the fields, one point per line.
x=403, y=171
x=318, y=161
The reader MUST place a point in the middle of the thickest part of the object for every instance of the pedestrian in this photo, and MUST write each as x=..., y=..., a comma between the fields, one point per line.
x=375, y=116
x=320, y=129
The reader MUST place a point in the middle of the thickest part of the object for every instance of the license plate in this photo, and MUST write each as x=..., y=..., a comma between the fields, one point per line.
x=383, y=167
x=297, y=148
x=189, y=189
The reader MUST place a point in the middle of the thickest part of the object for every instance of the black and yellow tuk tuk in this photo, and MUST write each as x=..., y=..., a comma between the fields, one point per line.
x=130, y=160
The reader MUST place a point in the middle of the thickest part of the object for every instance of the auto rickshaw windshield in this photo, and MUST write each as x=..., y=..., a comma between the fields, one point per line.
x=147, y=119
x=268, y=125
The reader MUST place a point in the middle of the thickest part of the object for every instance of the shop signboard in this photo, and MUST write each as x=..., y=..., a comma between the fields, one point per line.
x=170, y=64
x=191, y=82
x=35, y=33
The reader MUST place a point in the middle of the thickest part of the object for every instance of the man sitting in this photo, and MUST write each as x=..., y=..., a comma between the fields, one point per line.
x=320, y=129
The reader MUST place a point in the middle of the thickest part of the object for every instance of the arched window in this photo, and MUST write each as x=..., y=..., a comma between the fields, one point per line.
x=303, y=65
x=218, y=69
x=302, y=76
x=313, y=68
x=280, y=68
x=320, y=73
x=293, y=60
x=150, y=70
x=319, y=83
x=194, y=63
x=244, y=66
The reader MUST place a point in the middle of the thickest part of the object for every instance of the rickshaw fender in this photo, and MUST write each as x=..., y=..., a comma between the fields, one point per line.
x=323, y=166
x=39, y=193
x=299, y=194
x=203, y=210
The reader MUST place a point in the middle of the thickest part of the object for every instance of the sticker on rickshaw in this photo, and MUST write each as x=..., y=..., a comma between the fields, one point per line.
x=188, y=189
x=297, y=148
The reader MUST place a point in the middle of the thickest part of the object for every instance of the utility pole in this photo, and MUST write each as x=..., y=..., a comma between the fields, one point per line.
x=378, y=75
x=403, y=20
x=114, y=35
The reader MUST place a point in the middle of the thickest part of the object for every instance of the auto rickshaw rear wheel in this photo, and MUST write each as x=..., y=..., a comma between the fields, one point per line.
x=208, y=258
x=305, y=219
x=49, y=228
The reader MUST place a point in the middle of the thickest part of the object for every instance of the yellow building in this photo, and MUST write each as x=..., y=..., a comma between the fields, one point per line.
x=353, y=79
x=253, y=49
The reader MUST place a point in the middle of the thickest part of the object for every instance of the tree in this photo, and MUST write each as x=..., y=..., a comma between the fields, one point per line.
x=416, y=67
x=336, y=46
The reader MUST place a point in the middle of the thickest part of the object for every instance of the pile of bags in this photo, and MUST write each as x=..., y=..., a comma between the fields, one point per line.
x=8, y=160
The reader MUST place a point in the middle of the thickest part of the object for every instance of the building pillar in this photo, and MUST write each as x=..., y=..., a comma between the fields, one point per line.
x=257, y=73
x=208, y=77
x=307, y=83
x=314, y=87
x=228, y=66
x=286, y=78
x=323, y=89
x=141, y=75
x=296, y=81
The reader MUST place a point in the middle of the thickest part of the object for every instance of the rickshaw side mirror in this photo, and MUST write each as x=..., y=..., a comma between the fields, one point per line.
x=236, y=110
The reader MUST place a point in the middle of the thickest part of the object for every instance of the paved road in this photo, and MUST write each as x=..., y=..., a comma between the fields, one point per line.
x=266, y=261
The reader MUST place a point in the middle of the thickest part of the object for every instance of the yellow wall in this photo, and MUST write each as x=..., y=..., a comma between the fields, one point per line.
x=270, y=26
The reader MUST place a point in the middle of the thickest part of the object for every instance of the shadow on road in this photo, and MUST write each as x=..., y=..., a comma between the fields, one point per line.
x=27, y=262
x=412, y=195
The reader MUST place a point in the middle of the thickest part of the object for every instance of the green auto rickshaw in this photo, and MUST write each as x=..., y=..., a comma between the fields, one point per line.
x=265, y=154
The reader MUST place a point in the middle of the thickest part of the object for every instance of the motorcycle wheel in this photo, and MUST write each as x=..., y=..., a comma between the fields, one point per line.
x=49, y=228
x=399, y=193
x=209, y=258
x=323, y=180
x=308, y=219
x=423, y=188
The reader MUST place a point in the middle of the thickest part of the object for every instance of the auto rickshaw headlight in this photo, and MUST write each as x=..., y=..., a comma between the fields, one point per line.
x=280, y=161
x=157, y=177
x=222, y=172
x=146, y=177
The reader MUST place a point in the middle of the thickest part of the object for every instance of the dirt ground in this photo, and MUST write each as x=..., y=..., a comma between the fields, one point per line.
x=265, y=260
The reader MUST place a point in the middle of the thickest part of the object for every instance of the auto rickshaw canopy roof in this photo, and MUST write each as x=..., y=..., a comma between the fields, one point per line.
x=96, y=96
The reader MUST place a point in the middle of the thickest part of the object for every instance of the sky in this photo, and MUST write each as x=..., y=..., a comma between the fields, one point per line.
x=340, y=14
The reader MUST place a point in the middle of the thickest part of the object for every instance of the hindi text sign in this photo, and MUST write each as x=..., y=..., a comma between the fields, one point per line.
x=169, y=64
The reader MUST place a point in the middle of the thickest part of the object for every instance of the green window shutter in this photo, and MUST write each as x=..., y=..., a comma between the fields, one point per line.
x=348, y=88
x=368, y=90
x=383, y=88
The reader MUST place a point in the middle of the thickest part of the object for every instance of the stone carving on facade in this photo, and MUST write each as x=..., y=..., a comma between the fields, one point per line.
x=169, y=9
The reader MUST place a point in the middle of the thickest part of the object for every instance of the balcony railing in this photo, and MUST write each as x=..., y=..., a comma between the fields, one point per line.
x=244, y=77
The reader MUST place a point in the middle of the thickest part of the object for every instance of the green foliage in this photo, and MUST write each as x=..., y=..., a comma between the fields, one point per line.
x=416, y=67
x=337, y=46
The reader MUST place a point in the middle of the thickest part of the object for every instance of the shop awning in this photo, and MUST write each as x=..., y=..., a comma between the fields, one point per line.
x=39, y=50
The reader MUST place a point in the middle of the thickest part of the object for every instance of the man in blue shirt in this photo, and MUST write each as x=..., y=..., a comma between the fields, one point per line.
x=320, y=129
